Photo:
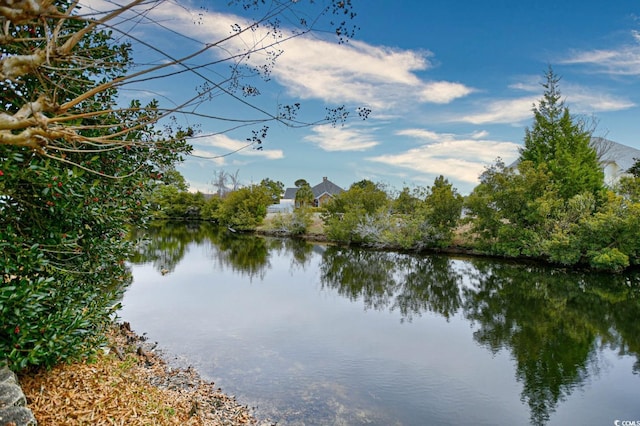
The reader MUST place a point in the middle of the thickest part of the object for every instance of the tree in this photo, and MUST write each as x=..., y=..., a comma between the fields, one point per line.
x=509, y=210
x=563, y=144
x=68, y=194
x=244, y=209
x=224, y=182
x=406, y=202
x=304, y=195
x=635, y=169
x=77, y=162
x=275, y=188
x=443, y=206
x=357, y=215
x=46, y=41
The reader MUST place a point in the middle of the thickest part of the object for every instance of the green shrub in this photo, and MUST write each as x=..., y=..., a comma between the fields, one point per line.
x=245, y=208
x=608, y=259
x=295, y=223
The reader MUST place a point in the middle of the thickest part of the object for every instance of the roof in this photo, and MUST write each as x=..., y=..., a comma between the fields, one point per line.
x=290, y=194
x=324, y=187
x=613, y=152
x=608, y=152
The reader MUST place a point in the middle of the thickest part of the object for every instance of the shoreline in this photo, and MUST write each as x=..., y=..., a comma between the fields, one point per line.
x=130, y=382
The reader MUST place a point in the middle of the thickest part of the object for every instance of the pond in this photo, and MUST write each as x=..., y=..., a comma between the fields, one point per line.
x=311, y=334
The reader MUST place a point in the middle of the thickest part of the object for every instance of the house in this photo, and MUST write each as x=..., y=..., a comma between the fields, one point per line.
x=285, y=206
x=322, y=192
x=614, y=158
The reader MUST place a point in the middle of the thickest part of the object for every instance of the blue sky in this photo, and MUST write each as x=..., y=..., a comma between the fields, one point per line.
x=450, y=84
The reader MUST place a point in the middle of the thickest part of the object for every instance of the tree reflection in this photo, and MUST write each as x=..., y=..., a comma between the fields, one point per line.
x=430, y=284
x=300, y=251
x=553, y=322
x=243, y=253
x=164, y=244
x=360, y=274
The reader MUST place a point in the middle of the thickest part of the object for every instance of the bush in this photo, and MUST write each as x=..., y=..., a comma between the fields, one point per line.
x=245, y=208
x=295, y=223
x=608, y=259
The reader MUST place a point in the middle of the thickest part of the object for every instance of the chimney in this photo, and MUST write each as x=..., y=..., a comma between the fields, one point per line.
x=324, y=178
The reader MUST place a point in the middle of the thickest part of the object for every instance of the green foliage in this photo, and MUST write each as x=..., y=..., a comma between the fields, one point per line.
x=554, y=207
x=629, y=187
x=609, y=259
x=295, y=223
x=510, y=210
x=349, y=216
x=64, y=212
x=211, y=208
x=365, y=215
x=562, y=144
x=442, y=209
x=407, y=201
x=170, y=202
x=519, y=214
x=304, y=195
x=604, y=237
x=635, y=169
x=245, y=208
x=616, y=225
x=61, y=232
x=275, y=188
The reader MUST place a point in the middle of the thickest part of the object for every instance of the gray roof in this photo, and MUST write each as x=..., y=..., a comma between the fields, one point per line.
x=609, y=152
x=613, y=152
x=324, y=187
x=290, y=194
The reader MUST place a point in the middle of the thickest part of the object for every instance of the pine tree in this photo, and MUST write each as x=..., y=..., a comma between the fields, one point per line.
x=562, y=143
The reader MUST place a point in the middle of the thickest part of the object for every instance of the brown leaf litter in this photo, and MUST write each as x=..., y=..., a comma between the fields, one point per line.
x=128, y=385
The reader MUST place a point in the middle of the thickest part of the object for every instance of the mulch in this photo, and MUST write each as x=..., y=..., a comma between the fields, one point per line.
x=130, y=384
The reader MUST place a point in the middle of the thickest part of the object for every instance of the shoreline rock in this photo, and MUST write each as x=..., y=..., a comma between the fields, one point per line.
x=13, y=403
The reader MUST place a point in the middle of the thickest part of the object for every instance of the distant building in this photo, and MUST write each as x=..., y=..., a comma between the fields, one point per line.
x=322, y=192
x=285, y=206
x=614, y=158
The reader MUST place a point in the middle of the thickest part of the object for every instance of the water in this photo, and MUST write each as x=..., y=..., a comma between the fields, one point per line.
x=320, y=335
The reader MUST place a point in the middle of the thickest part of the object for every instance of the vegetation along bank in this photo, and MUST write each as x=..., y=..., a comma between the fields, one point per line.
x=78, y=168
x=552, y=205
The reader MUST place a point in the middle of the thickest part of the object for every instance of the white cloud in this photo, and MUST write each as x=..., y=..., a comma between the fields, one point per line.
x=510, y=111
x=516, y=111
x=380, y=77
x=425, y=134
x=458, y=159
x=228, y=145
x=345, y=138
x=479, y=134
x=443, y=92
x=624, y=60
x=200, y=154
x=587, y=100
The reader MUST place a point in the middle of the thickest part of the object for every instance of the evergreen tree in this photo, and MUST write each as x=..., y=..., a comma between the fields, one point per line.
x=635, y=169
x=562, y=143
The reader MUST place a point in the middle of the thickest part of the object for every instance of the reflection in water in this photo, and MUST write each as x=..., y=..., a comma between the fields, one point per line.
x=412, y=284
x=554, y=323
x=165, y=244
